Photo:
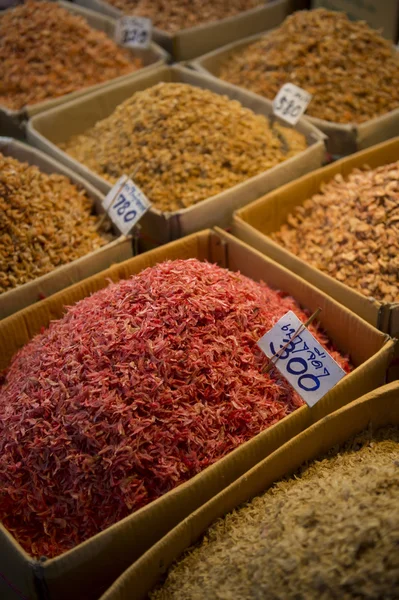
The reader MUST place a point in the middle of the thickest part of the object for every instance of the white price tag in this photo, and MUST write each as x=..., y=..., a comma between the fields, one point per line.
x=125, y=204
x=305, y=364
x=290, y=103
x=133, y=32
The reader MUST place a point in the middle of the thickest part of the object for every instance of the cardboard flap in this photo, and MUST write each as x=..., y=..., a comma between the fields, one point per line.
x=16, y=580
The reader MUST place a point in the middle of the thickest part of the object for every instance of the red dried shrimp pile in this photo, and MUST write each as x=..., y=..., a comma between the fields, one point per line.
x=136, y=389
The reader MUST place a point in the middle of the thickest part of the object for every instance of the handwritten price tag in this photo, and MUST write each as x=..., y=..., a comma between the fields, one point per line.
x=133, y=32
x=125, y=204
x=309, y=368
x=290, y=103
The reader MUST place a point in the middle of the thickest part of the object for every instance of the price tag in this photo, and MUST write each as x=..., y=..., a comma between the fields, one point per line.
x=125, y=204
x=291, y=102
x=305, y=364
x=133, y=32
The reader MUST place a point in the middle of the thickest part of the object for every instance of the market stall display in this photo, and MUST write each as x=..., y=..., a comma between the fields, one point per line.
x=111, y=368
x=46, y=222
x=198, y=147
x=169, y=428
x=142, y=385
x=323, y=52
x=349, y=68
x=174, y=15
x=52, y=232
x=47, y=52
x=317, y=518
x=212, y=144
x=328, y=530
x=350, y=230
x=189, y=29
x=339, y=230
x=53, y=51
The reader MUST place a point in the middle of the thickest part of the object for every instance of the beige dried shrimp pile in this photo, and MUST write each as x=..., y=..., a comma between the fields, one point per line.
x=330, y=532
x=351, y=70
x=46, y=52
x=45, y=222
x=188, y=144
x=172, y=15
x=350, y=230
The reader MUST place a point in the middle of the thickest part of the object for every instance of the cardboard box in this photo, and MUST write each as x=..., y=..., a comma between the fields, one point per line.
x=194, y=41
x=56, y=126
x=380, y=408
x=14, y=120
x=115, y=251
x=256, y=222
x=341, y=139
x=379, y=15
x=90, y=568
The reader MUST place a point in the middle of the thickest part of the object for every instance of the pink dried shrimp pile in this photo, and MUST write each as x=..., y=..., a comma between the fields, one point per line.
x=136, y=389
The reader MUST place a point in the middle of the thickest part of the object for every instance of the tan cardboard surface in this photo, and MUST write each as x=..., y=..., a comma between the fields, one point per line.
x=256, y=222
x=16, y=581
x=189, y=43
x=341, y=139
x=153, y=57
x=90, y=568
x=115, y=251
x=380, y=15
x=380, y=408
x=57, y=125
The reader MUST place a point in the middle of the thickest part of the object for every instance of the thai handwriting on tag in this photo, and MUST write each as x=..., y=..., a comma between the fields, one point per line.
x=133, y=32
x=305, y=364
x=290, y=103
x=125, y=204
